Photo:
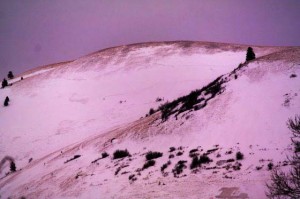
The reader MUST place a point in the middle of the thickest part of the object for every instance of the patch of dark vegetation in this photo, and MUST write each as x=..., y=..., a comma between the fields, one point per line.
x=132, y=178
x=228, y=152
x=158, y=99
x=75, y=157
x=193, y=154
x=204, y=159
x=237, y=166
x=148, y=164
x=250, y=54
x=294, y=126
x=13, y=167
x=286, y=183
x=230, y=160
x=293, y=76
x=239, y=156
x=118, y=170
x=4, y=83
x=270, y=166
x=153, y=155
x=172, y=149
x=104, y=155
x=197, y=162
x=179, y=153
x=164, y=166
x=120, y=154
x=151, y=111
x=211, y=151
x=171, y=156
x=259, y=167
x=179, y=167
x=193, y=150
x=191, y=101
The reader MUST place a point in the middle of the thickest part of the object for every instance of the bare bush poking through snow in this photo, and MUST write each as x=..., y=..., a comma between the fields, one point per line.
x=204, y=159
x=239, y=156
x=164, y=166
x=104, y=155
x=153, y=155
x=148, y=164
x=172, y=149
x=120, y=154
x=195, y=163
x=179, y=167
x=287, y=184
x=151, y=111
x=74, y=158
x=132, y=178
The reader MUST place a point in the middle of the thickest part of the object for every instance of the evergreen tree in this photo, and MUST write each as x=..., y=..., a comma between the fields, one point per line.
x=4, y=83
x=12, y=166
x=10, y=75
x=6, y=101
x=250, y=54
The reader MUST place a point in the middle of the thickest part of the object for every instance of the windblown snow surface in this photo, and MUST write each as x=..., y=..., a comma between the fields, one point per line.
x=98, y=103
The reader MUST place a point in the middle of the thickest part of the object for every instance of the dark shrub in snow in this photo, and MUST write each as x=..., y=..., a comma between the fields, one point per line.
x=151, y=111
x=239, y=156
x=12, y=166
x=153, y=155
x=104, y=155
x=120, y=154
x=179, y=167
x=270, y=166
x=148, y=164
x=204, y=159
x=171, y=156
x=172, y=149
x=195, y=163
x=164, y=166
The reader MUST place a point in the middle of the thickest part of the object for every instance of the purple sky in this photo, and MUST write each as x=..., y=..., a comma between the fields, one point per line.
x=34, y=33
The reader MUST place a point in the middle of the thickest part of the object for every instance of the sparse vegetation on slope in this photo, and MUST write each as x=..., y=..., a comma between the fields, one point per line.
x=120, y=154
x=179, y=167
x=148, y=164
x=74, y=158
x=153, y=155
x=287, y=184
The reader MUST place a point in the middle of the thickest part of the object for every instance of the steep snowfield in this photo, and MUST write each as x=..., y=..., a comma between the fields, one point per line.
x=95, y=104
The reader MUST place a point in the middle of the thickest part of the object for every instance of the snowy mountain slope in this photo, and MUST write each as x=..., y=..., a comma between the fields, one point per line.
x=76, y=109
x=99, y=91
